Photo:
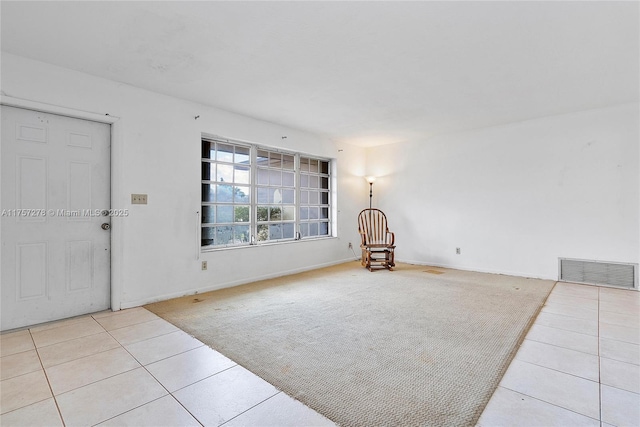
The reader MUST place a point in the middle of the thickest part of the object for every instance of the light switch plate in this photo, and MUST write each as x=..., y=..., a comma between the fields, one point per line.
x=138, y=199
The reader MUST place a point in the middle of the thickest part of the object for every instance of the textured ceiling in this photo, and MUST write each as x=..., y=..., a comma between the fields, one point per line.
x=365, y=73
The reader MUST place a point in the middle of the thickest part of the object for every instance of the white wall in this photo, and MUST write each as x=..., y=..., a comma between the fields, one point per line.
x=515, y=198
x=157, y=151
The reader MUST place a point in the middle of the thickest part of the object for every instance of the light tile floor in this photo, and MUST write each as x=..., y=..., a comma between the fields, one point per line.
x=132, y=368
x=578, y=365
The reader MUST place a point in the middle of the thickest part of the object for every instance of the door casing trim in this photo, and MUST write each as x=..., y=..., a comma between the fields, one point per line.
x=118, y=198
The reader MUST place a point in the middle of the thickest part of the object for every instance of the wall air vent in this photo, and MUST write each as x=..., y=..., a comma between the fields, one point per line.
x=599, y=273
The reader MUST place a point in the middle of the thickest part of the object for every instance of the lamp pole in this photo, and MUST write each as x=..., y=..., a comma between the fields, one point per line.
x=371, y=180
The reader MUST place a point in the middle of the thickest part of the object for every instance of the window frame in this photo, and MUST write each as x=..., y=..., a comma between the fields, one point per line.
x=257, y=203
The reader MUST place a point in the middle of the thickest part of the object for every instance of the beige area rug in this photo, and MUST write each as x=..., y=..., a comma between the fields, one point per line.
x=409, y=347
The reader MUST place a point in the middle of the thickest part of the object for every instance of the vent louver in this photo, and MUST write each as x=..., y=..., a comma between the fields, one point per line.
x=599, y=273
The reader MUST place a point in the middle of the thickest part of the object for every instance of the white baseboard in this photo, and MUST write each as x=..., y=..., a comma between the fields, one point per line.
x=195, y=291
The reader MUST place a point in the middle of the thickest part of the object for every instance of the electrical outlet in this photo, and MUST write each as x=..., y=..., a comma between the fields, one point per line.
x=204, y=265
x=138, y=199
x=458, y=251
x=350, y=245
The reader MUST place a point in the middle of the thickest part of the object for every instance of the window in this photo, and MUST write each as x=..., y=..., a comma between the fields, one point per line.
x=314, y=197
x=252, y=195
x=226, y=194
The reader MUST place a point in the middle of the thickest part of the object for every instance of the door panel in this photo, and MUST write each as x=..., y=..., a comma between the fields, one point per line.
x=55, y=182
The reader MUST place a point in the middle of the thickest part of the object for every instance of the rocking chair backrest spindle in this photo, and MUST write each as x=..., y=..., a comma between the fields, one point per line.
x=372, y=224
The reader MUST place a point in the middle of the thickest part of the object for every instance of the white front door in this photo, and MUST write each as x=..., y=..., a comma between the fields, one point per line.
x=55, y=185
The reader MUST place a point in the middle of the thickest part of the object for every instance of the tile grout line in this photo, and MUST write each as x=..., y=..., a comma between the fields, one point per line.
x=71, y=339
x=81, y=357
x=260, y=403
x=206, y=378
x=44, y=371
x=145, y=339
x=556, y=370
x=152, y=376
x=548, y=403
x=135, y=324
x=200, y=380
x=562, y=347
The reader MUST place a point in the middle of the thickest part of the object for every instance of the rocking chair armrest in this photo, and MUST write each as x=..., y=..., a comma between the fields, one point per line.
x=393, y=237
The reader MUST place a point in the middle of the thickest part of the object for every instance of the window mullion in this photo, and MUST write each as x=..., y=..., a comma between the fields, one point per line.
x=296, y=167
x=254, y=196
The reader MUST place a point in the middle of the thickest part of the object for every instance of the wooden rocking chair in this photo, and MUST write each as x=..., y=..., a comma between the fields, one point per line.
x=377, y=242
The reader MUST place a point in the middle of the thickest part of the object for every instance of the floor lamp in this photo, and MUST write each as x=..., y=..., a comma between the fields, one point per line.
x=371, y=180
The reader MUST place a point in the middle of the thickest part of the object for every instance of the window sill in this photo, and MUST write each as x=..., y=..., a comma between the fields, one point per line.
x=259, y=245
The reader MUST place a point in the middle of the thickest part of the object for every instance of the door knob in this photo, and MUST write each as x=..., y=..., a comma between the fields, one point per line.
x=106, y=226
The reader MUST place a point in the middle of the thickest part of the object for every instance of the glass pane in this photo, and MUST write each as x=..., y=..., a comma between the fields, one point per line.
x=288, y=213
x=263, y=195
x=304, y=164
x=304, y=213
x=313, y=197
x=225, y=193
x=225, y=173
x=208, y=192
x=242, y=175
x=304, y=180
x=241, y=194
x=208, y=214
x=225, y=153
x=276, y=196
x=313, y=181
x=304, y=197
x=304, y=230
x=288, y=162
x=242, y=155
x=263, y=177
x=288, y=196
x=287, y=179
x=313, y=213
x=324, y=183
x=275, y=214
x=224, y=235
x=275, y=177
x=263, y=213
x=324, y=229
x=275, y=160
x=263, y=232
x=208, y=171
x=225, y=214
x=275, y=231
x=324, y=167
x=207, y=236
x=241, y=213
x=208, y=150
x=324, y=198
x=263, y=158
x=287, y=231
x=313, y=166
x=313, y=229
x=324, y=213
x=241, y=233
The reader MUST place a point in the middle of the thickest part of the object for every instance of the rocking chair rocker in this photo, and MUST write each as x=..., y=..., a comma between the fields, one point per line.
x=377, y=242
